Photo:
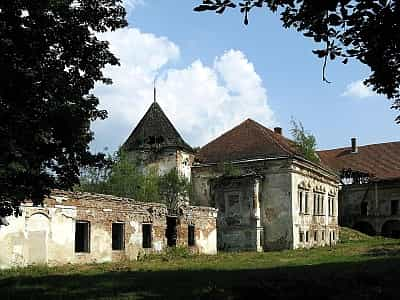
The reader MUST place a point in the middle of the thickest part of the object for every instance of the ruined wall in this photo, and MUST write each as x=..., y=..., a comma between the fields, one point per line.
x=164, y=160
x=46, y=235
x=237, y=224
x=276, y=206
x=204, y=220
x=318, y=227
x=376, y=197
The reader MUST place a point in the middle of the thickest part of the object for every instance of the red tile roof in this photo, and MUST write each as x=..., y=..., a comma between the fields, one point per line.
x=248, y=140
x=382, y=161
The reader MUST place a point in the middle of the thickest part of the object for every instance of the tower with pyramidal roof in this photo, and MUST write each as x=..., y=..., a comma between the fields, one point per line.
x=155, y=143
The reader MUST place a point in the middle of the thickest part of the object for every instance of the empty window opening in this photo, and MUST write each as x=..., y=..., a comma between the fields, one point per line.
x=191, y=236
x=306, y=236
x=323, y=235
x=171, y=232
x=118, y=233
x=315, y=236
x=147, y=238
x=82, y=236
x=301, y=236
x=394, y=207
x=364, y=208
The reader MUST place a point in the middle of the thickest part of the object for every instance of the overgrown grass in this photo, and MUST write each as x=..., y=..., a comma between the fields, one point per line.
x=359, y=268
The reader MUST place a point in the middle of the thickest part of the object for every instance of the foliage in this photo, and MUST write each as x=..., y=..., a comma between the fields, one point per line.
x=228, y=169
x=50, y=60
x=366, y=30
x=173, y=189
x=305, y=142
x=124, y=177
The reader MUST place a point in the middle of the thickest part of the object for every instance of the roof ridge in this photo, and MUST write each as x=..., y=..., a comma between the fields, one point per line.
x=361, y=146
x=272, y=137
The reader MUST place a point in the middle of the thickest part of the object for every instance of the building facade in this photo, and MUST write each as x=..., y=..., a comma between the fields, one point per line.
x=369, y=199
x=75, y=227
x=267, y=195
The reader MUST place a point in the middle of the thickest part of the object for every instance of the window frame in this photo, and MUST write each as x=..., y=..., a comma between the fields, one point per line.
x=85, y=245
x=147, y=243
x=122, y=242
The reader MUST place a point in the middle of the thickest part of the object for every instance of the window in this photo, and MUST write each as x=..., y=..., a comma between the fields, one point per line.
x=118, y=232
x=301, y=236
x=191, y=236
x=82, y=236
x=315, y=204
x=306, y=203
x=316, y=236
x=333, y=235
x=301, y=202
x=323, y=235
x=331, y=207
x=306, y=236
x=147, y=238
x=394, y=207
x=364, y=208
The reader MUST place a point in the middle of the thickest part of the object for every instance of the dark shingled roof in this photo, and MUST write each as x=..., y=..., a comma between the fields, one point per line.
x=155, y=129
x=248, y=140
x=382, y=161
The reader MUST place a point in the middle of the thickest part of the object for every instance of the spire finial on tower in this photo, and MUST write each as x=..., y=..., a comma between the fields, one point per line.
x=155, y=91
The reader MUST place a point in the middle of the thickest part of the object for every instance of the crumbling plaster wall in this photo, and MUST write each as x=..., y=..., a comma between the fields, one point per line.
x=38, y=236
x=165, y=160
x=312, y=180
x=377, y=196
x=46, y=235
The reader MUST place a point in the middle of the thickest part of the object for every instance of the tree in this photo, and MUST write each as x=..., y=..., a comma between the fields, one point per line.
x=50, y=60
x=173, y=189
x=366, y=30
x=124, y=177
x=304, y=141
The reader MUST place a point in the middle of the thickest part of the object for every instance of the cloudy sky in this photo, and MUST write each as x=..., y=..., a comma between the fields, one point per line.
x=212, y=73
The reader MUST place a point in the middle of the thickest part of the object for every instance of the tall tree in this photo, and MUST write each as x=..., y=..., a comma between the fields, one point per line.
x=366, y=30
x=50, y=60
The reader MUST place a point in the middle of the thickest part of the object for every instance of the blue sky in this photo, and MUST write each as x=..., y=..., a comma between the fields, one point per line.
x=214, y=72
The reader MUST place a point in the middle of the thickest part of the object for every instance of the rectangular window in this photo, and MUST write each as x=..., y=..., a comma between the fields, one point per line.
x=394, y=207
x=118, y=233
x=306, y=203
x=301, y=201
x=322, y=205
x=333, y=235
x=82, y=236
x=147, y=237
x=301, y=236
x=315, y=235
x=306, y=236
x=315, y=204
x=191, y=235
x=364, y=208
x=323, y=235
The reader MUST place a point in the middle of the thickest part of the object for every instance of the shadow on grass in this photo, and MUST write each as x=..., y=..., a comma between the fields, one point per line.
x=374, y=279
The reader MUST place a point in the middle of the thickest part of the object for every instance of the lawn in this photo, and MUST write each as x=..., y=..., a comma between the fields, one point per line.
x=358, y=268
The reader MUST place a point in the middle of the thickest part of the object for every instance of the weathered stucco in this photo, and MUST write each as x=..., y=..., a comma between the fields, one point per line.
x=259, y=209
x=46, y=235
x=370, y=207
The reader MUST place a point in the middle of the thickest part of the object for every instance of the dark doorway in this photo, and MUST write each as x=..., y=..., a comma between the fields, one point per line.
x=365, y=227
x=191, y=236
x=171, y=231
x=391, y=229
x=147, y=235
x=118, y=233
x=82, y=236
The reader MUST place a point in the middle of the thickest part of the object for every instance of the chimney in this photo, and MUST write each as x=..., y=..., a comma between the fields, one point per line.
x=278, y=130
x=354, y=148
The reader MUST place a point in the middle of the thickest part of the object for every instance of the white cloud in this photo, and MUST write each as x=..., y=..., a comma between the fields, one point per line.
x=358, y=89
x=201, y=101
x=131, y=4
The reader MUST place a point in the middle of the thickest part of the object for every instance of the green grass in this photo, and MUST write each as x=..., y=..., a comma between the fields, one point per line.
x=360, y=267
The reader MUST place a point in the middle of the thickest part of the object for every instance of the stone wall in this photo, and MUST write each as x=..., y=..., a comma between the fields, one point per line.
x=46, y=235
x=370, y=207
